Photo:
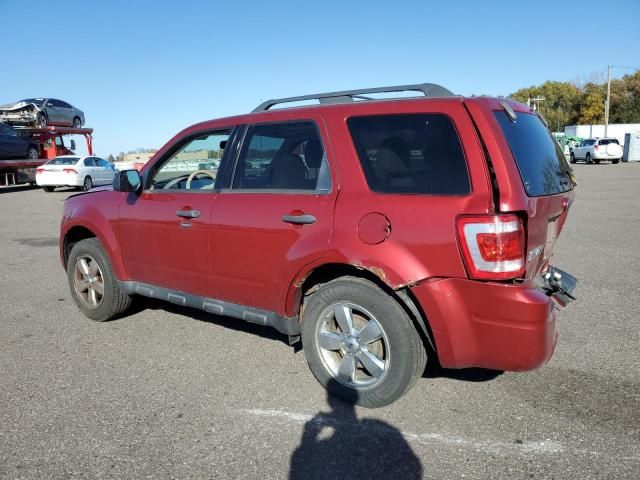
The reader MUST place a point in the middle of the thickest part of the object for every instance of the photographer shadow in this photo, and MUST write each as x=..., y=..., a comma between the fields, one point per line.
x=337, y=444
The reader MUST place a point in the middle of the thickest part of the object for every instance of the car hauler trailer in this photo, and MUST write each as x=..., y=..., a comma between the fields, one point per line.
x=51, y=143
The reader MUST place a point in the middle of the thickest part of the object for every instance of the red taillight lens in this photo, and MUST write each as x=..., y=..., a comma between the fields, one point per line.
x=595, y=147
x=40, y=170
x=493, y=246
x=69, y=170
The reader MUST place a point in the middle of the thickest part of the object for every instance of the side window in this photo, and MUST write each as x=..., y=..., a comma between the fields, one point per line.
x=194, y=166
x=284, y=156
x=88, y=162
x=413, y=154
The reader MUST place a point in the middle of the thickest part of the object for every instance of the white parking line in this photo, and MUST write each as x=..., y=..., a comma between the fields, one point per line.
x=544, y=447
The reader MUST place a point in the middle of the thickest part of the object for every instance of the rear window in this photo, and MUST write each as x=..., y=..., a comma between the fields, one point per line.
x=411, y=154
x=64, y=161
x=607, y=141
x=543, y=168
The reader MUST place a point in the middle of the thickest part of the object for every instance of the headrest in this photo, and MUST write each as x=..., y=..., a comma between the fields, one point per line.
x=313, y=153
x=223, y=144
x=390, y=163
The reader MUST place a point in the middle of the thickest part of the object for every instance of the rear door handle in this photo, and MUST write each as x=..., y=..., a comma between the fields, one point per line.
x=304, y=219
x=188, y=213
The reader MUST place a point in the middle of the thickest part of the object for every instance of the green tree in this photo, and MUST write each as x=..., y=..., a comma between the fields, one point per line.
x=592, y=104
x=625, y=99
x=559, y=105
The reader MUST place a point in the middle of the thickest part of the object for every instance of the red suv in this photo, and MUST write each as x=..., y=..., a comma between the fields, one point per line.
x=373, y=230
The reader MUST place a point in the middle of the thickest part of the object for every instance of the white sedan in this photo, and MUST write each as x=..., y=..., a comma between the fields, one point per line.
x=74, y=171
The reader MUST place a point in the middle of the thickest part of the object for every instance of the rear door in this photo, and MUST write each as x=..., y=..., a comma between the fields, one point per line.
x=165, y=231
x=276, y=215
x=90, y=169
x=539, y=181
x=106, y=171
x=610, y=148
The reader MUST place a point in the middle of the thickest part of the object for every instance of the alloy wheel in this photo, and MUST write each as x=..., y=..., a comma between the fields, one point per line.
x=353, y=345
x=88, y=281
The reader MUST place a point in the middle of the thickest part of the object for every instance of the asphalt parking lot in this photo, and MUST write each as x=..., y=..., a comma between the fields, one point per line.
x=173, y=393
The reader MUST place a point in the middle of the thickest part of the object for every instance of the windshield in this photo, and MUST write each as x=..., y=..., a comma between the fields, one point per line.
x=64, y=161
x=37, y=101
x=543, y=168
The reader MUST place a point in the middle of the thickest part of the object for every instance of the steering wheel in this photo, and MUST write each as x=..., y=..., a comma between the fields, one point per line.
x=173, y=181
x=198, y=172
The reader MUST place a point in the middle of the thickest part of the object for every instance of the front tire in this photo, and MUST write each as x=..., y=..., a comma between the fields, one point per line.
x=77, y=123
x=41, y=120
x=360, y=344
x=572, y=158
x=94, y=287
x=87, y=184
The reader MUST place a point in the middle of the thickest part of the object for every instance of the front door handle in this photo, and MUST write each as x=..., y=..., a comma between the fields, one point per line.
x=188, y=213
x=303, y=219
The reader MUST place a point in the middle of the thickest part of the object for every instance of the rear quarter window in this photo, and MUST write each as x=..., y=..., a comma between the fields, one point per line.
x=410, y=154
x=543, y=168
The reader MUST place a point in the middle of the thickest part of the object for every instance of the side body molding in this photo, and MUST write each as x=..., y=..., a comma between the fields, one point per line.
x=287, y=325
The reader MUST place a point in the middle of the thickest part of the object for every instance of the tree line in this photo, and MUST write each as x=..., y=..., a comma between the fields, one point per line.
x=568, y=103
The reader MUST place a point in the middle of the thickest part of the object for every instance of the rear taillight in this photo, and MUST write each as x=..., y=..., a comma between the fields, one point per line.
x=40, y=170
x=69, y=170
x=493, y=246
x=595, y=147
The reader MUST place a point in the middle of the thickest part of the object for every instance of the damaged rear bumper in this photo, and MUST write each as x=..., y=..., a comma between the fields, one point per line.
x=558, y=285
x=501, y=326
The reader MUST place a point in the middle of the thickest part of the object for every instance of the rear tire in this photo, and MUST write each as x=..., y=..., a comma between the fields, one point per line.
x=77, y=123
x=615, y=161
x=87, y=184
x=588, y=158
x=89, y=253
x=48, y=189
x=354, y=363
x=33, y=153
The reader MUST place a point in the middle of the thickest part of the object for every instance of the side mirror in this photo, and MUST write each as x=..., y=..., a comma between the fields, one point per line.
x=127, y=181
x=73, y=144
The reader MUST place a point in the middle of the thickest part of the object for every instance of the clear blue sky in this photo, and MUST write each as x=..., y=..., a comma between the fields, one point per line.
x=143, y=70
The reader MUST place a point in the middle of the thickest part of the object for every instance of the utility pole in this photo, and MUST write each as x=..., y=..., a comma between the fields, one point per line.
x=607, y=102
x=536, y=102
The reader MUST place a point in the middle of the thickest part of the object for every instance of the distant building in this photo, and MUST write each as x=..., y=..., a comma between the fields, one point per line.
x=137, y=157
x=615, y=130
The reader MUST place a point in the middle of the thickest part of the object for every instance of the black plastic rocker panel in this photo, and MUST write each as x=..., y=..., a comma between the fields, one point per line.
x=286, y=325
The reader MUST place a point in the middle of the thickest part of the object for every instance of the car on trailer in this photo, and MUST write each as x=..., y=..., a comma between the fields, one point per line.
x=40, y=112
x=375, y=231
x=13, y=145
x=45, y=143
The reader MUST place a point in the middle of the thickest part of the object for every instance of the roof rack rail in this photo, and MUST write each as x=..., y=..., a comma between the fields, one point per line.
x=429, y=90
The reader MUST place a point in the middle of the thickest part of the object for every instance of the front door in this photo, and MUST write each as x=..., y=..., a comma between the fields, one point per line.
x=11, y=146
x=276, y=217
x=164, y=231
x=53, y=112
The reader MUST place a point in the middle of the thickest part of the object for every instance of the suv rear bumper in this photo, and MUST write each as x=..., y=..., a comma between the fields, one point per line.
x=489, y=325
